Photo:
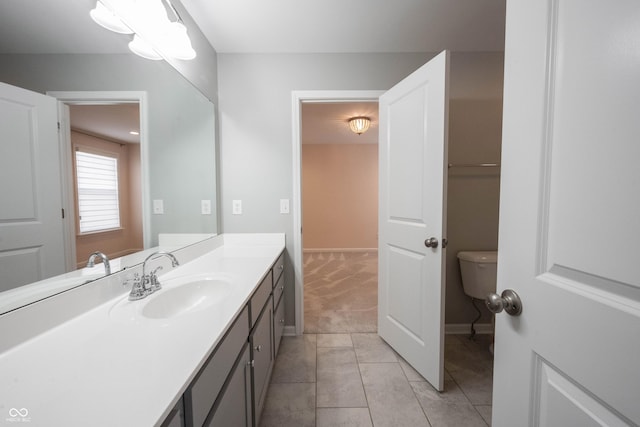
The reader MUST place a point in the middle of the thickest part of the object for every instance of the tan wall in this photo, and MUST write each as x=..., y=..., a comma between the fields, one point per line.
x=128, y=238
x=340, y=196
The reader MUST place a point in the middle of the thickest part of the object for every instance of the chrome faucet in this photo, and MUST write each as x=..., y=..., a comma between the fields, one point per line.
x=105, y=260
x=148, y=283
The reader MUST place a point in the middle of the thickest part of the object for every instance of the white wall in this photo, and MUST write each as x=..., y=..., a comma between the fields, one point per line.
x=255, y=122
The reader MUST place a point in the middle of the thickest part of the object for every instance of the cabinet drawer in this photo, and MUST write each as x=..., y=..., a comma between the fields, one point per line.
x=278, y=268
x=260, y=297
x=207, y=385
x=278, y=289
x=278, y=326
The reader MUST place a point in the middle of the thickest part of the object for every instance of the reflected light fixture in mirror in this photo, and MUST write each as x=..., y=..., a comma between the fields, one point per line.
x=155, y=36
x=359, y=124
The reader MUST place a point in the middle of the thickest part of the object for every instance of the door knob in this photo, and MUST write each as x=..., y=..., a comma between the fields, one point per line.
x=509, y=301
x=431, y=242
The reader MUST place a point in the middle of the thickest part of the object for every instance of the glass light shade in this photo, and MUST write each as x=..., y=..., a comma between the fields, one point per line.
x=107, y=19
x=359, y=125
x=155, y=36
x=141, y=48
x=176, y=42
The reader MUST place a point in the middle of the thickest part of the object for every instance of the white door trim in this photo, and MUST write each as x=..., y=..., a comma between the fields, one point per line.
x=97, y=98
x=297, y=98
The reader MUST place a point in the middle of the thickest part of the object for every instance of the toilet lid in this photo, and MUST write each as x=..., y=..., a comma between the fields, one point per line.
x=479, y=256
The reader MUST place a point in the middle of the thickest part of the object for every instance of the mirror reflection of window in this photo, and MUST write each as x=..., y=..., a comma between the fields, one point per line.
x=97, y=187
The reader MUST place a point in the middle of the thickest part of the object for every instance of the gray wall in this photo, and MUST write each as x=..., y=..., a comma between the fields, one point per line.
x=182, y=151
x=256, y=125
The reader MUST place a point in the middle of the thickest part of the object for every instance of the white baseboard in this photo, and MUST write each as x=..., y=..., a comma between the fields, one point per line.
x=321, y=250
x=465, y=328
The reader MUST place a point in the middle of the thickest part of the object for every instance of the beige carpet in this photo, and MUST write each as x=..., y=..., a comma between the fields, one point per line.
x=340, y=292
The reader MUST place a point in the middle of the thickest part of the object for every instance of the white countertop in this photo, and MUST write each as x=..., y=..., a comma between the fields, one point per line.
x=101, y=370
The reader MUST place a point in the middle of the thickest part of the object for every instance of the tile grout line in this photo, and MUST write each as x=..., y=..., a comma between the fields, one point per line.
x=361, y=381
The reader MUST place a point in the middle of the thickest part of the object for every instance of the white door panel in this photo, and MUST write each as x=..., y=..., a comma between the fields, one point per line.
x=569, y=228
x=413, y=147
x=31, y=246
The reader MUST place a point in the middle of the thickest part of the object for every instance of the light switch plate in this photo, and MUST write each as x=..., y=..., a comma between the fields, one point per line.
x=205, y=206
x=237, y=207
x=284, y=206
x=158, y=207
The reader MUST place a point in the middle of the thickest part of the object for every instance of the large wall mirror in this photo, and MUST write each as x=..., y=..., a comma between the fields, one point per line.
x=55, y=48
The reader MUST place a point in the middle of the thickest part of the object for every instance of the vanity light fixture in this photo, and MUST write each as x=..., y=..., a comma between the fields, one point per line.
x=359, y=124
x=155, y=36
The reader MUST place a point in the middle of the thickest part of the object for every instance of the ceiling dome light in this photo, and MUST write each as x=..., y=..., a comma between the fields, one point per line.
x=359, y=124
x=140, y=47
x=109, y=20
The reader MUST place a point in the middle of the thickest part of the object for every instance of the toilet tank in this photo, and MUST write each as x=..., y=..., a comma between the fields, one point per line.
x=478, y=270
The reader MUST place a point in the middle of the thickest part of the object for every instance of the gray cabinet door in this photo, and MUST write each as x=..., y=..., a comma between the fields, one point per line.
x=234, y=407
x=262, y=357
x=278, y=326
x=204, y=390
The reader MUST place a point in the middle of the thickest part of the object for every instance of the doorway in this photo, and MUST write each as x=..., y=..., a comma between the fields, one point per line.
x=69, y=101
x=105, y=149
x=340, y=217
x=298, y=98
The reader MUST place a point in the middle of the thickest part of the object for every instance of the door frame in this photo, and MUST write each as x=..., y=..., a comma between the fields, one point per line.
x=100, y=98
x=297, y=98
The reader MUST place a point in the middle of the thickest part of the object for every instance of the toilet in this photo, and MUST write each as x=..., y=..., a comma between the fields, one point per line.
x=478, y=270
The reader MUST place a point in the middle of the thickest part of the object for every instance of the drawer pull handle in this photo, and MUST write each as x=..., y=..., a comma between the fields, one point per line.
x=258, y=348
x=281, y=320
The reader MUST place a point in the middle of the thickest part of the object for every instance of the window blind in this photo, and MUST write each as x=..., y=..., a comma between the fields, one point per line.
x=97, y=181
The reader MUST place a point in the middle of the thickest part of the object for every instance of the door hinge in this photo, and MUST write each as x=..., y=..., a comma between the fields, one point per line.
x=58, y=125
x=62, y=213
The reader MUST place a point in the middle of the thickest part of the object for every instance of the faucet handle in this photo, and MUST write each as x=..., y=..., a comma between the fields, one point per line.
x=131, y=280
x=138, y=290
x=154, y=284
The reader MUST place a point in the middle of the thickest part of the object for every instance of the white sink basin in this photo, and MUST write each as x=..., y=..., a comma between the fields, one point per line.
x=186, y=297
x=177, y=297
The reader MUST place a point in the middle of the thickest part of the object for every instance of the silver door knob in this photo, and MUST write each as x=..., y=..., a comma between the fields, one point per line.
x=431, y=242
x=509, y=301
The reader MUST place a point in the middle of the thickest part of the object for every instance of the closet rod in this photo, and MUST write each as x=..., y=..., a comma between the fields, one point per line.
x=474, y=165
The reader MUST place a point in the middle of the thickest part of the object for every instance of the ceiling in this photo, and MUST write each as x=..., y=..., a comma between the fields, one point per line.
x=36, y=26
x=113, y=121
x=328, y=122
x=273, y=26
x=348, y=26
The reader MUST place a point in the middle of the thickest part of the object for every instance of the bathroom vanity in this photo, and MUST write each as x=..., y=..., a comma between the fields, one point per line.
x=200, y=351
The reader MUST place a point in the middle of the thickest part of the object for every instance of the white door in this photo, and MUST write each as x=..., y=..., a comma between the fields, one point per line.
x=413, y=158
x=31, y=239
x=569, y=241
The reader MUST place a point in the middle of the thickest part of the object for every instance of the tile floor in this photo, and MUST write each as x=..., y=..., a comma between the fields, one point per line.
x=341, y=373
